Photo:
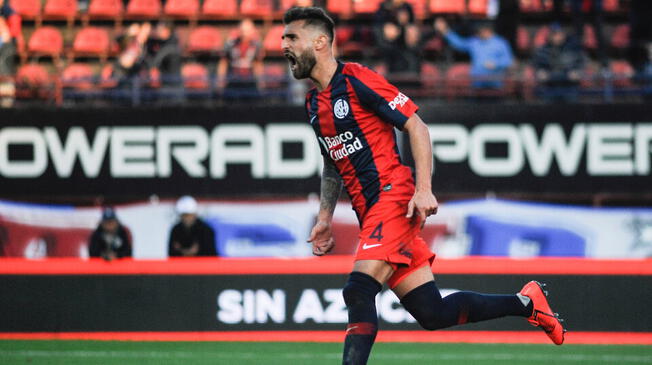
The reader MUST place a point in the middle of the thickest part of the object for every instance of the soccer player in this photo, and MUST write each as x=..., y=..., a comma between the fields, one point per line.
x=353, y=111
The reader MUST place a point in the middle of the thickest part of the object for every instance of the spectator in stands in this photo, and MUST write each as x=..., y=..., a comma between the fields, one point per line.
x=240, y=71
x=397, y=36
x=111, y=240
x=490, y=54
x=131, y=60
x=507, y=20
x=558, y=65
x=164, y=56
x=592, y=10
x=190, y=236
x=639, y=52
x=7, y=56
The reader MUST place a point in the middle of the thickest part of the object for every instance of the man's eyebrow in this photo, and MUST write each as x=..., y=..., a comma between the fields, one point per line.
x=289, y=35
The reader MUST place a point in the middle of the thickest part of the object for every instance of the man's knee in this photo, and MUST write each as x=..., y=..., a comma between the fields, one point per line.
x=425, y=304
x=360, y=289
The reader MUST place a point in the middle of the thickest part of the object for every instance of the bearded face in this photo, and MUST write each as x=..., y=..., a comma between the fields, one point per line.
x=301, y=65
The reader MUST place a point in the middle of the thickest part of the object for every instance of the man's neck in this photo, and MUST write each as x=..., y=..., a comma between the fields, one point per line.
x=323, y=72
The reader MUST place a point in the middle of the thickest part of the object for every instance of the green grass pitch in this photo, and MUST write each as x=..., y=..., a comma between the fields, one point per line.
x=266, y=353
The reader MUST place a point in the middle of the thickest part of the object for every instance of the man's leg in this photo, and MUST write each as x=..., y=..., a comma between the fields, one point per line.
x=420, y=296
x=359, y=293
x=422, y=299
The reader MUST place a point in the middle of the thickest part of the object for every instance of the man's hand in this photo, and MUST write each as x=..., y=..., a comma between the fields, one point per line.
x=425, y=204
x=441, y=26
x=321, y=238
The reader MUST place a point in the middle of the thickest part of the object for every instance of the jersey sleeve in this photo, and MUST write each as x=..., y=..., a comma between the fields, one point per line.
x=377, y=94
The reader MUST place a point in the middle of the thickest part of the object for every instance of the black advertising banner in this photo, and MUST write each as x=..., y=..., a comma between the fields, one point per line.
x=69, y=303
x=258, y=151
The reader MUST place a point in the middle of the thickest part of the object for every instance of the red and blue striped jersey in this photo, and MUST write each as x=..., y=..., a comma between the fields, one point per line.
x=354, y=120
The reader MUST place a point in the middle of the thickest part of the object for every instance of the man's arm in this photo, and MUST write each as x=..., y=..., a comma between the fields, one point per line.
x=423, y=200
x=321, y=236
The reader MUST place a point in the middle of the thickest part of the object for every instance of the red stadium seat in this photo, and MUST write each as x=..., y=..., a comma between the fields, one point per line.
x=205, y=39
x=107, y=81
x=620, y=37
x=272, y=41
x=143, y=9
x=458, y=80
x=91, y=41
x=33, y=81
x=622, y=73
x=590, y=40
x=447, y=6
x=275, y=75
x=220, y=8
x=195, y=76
x=430, y=76
x=478, y=7
x=78, y=76
x=611, y=5
x=61, y=9
x=188, y=9
x=523, y=40
x=105, y=9
x=339, y=7
x=46, y=40
x=419, y=7
x=535, y=6
x=256, y=8
x=366, y=6
x=541, y=36
x=28, y=9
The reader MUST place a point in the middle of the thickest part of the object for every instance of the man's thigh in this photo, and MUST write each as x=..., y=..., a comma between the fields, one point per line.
x=377, y=269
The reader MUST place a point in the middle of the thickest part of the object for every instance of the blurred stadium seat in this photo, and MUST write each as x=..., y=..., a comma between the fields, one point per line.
x=447, y=6
x=34, y=81
x=256, y=8
x=182, y=9
x=478, y=7
x=620, y=37
x=195, y=76
x=60, y=9
x=458, y=80
x=622, y=73
x=366, y=6
x=523, y=41
x=46, y=40
x=272, y=41
x=91, y=42
x=205, y=39
x=28, y=9
x=219, y=8
x=78, y=76
x=104, y=9
x=342, y=8
x=143, y=9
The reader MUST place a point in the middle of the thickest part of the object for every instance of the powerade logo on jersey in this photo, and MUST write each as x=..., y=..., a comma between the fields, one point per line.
x=399, y=100
x=341, y=145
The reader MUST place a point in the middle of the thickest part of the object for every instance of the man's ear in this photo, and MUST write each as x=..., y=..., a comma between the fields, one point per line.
x=321, y=41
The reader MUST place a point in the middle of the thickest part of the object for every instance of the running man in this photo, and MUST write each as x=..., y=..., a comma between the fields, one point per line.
x=353, y=112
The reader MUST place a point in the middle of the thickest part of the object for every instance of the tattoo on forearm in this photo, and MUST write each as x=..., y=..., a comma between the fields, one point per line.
x=331, y=187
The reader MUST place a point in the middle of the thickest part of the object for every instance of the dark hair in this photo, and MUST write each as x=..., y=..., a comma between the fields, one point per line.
x=313, y=16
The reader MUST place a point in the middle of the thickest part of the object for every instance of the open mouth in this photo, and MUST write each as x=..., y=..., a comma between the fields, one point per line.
x=292, y=60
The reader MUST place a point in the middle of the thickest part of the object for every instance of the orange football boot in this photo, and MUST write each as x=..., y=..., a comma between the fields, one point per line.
x=542, y=316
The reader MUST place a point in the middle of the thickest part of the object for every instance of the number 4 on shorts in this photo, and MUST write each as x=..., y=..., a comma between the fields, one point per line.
x=378, y=232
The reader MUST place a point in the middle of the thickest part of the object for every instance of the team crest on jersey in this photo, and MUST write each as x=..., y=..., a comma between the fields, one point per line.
x=341, y=108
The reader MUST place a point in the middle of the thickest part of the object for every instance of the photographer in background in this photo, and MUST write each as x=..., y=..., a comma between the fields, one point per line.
x=111, y=240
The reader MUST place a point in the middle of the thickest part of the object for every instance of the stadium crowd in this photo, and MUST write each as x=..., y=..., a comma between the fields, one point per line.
x=130, y=52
